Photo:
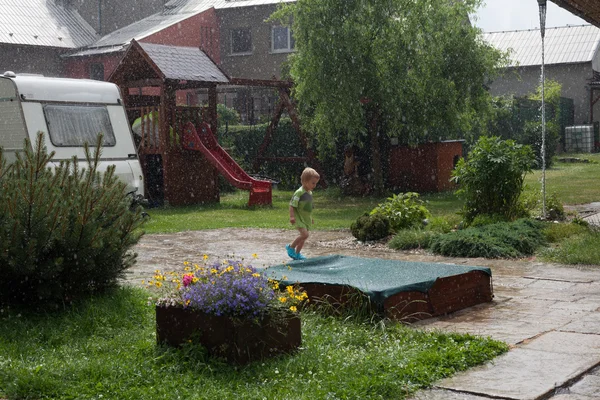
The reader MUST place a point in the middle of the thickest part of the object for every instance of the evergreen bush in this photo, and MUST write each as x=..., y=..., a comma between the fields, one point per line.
x=64, y=233
x=370, y=227
x=412, y=239
x=501, y=240
x=491, y=179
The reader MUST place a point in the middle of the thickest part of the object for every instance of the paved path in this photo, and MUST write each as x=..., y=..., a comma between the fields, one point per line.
x=549, y=314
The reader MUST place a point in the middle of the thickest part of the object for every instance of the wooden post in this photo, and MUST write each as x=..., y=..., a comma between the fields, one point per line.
x=268, y=135
x=212, y=108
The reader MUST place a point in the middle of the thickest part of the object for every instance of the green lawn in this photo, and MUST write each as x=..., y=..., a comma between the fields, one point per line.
x=105, y=349
x=332, y=211
x=574, y=183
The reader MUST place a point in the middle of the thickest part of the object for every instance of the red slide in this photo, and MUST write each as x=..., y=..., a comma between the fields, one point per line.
x=204, y=141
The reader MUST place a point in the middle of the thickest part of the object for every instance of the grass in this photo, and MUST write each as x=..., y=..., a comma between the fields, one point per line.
x=105, y=348
x=574, y=183
x=332, y=210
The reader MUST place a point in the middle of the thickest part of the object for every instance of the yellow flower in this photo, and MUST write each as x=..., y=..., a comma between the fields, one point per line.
x=186, y=263
x=290, y=290
x=158, y=284
x=254, y=255
x=283, y=299
x=205, y=257
x=293, y=308
x=256, y=274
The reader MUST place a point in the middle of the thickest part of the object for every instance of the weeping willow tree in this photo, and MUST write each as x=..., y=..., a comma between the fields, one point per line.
x=414, y=69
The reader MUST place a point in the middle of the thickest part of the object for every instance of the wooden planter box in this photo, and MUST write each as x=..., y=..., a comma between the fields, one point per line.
x=238, y=342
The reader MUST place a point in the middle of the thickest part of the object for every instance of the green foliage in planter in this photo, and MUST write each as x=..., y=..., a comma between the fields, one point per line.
x=65, y=233
x=370, y=227
x=407, y=239
x=491, y=179
x=501, y=240
x=403, y=210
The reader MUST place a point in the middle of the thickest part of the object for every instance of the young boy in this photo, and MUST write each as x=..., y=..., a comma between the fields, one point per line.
x=301, y=207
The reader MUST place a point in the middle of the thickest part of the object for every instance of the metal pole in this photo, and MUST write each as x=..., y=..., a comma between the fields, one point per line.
x=542, y=6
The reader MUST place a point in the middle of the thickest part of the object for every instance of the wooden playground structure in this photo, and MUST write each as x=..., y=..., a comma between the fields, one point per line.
x=176, y=144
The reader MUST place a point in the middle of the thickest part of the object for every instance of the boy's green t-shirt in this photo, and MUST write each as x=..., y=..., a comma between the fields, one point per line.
x=302, y=201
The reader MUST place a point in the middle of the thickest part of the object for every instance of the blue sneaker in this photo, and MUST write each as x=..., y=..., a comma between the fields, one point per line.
x=291, y=252
x=300, y=256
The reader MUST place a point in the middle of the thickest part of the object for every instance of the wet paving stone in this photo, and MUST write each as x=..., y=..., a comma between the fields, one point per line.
x=522, y=374
x=588, y=386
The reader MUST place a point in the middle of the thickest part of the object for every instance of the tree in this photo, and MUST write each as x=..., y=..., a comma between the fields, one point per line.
x=413, y=68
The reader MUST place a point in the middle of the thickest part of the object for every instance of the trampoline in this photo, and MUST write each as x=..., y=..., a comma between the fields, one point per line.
x=400, y=290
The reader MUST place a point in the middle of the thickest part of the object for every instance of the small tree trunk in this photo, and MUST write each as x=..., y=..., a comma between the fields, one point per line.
x=375, y=151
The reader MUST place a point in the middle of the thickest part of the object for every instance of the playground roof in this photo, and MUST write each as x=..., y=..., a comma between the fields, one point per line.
x=154, y=64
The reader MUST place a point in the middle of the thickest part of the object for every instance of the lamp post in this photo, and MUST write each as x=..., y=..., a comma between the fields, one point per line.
x=542, y=6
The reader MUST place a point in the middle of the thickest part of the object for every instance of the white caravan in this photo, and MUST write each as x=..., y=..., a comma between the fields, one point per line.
x=70, y=112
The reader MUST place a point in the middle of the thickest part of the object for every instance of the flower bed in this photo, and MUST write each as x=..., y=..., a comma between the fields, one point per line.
x=230, y=308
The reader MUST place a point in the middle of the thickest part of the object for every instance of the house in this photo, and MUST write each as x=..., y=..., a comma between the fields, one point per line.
x=234, y=34
x=36, y=34
x=571, y=58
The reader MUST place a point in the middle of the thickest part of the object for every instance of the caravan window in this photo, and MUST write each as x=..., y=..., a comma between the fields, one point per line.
x=75, y=124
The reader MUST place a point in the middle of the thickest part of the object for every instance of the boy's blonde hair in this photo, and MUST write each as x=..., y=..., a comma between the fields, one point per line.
x=308, y=174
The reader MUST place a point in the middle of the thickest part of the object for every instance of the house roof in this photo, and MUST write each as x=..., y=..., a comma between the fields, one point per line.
x=562, y=45
x=588, y=10
x=172, y=13
x=175, y=63
x=43, y=23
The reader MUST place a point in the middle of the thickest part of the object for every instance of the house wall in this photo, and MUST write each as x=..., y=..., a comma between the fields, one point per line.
x=106, y=16
x=573, y=77
x=79, y=67
x=262, y=63
x=31, y=60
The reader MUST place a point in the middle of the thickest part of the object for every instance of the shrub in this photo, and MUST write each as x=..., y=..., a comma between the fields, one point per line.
x=403, y=210
x=370, y=227
x=412, y=239
x=487, y=219
x=532, y=204
x=244, y=141
x=491, y=179
x=501, y=240
x=226, y=116
x=65, y=233
x=555, y=233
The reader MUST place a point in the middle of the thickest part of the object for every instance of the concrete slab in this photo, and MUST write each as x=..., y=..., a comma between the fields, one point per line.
x=566, y=342
x=588, y=386
x=522, y=374
x=438, y=394
x=588, y=324
x=570, y=396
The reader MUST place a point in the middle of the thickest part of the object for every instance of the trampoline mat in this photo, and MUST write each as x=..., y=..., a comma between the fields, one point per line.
x=378, y=278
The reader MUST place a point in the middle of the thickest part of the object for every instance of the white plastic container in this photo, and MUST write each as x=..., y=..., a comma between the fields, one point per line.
x=579, y=139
